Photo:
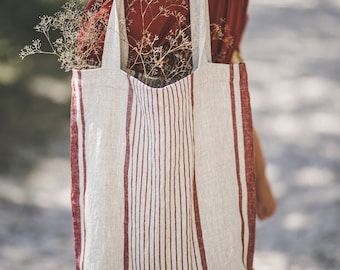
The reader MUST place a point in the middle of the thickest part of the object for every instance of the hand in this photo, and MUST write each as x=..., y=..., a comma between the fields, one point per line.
x=265, y=202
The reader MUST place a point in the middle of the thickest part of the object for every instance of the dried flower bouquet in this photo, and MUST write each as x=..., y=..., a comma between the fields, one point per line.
x=66, y=22
x=156, y=64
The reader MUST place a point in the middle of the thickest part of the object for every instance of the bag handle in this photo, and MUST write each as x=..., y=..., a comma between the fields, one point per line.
x=200, y=33
x=116, y=46
x=113, y=51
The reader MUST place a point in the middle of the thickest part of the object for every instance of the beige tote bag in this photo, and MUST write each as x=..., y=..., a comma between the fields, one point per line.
x=162, y=178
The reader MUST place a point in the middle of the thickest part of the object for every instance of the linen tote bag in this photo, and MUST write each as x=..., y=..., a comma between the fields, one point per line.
x=162, y=178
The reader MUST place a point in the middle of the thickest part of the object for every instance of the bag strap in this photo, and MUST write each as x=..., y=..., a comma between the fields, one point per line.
x=204, y=45
x=116, y=46
x=113, y=50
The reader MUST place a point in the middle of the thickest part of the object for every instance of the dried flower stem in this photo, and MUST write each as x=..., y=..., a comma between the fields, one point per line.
x=66, y=22
x=154, y=63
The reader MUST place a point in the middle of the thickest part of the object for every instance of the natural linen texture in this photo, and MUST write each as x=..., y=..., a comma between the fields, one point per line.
x=162, y=178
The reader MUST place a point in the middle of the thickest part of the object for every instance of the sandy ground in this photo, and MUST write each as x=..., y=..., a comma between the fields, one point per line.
x=293, y=52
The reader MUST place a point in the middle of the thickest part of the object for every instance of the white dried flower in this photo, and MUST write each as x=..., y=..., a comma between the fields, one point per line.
x=66, y=22
x=44, y=24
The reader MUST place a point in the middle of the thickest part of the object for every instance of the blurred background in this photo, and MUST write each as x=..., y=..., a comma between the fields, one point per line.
x=293, y=52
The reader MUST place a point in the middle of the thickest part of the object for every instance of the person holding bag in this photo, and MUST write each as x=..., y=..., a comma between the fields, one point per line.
x=163, y=174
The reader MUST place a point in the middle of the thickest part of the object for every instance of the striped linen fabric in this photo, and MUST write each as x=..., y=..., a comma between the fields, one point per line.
x=161, y=226
x=162, y=178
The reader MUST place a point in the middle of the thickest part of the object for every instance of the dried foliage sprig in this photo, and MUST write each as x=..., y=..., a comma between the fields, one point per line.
x=159, y=63
x=65, y=47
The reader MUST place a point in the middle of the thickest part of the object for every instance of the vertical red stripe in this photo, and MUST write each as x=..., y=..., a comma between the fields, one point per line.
x=237, y=158
x=134, y=171
x=194, y=247
x=170, y=174
x=148, y=193
x=188, y=107
x=147, y=129
x=159, y=183
x=198, y=226
x=196, y=210
x=126, y=184
x=134, y=175
x=174, y=178
x=82, y=114
x=75, y=192
x=164, y=195
x=184, y=95
x=133, y=231
x=153, y=201
x=142, y=145
x=191, y=127
x=181, y=161
x=140, y=178
x=140, y=174
x=145, y=183
x=249, y=161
